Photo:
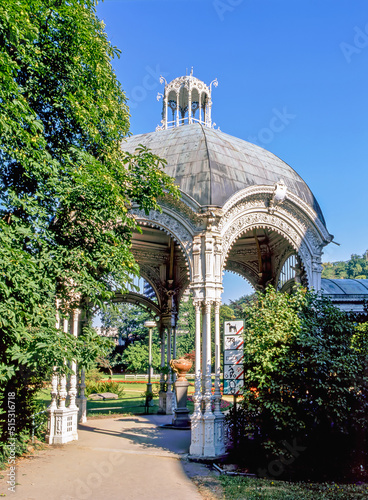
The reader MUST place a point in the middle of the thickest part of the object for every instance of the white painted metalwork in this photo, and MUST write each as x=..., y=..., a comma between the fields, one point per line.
x=183, y=99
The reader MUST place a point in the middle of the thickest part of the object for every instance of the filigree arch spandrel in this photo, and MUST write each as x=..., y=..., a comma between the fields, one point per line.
x=172, y=226
x=185, y=208
x=246, y=271
x=152, y=276
x=294, y=211
x=256, y=220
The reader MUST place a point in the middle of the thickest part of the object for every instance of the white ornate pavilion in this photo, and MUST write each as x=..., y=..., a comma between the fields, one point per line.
x=242, y=209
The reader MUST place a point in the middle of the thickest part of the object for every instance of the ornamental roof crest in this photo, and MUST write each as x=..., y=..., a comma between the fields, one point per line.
x=186, y=100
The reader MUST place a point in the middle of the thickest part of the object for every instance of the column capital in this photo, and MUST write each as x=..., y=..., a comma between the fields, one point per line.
x=196, y=245
x=76, y=313
x=207, y=304
x=217, y=305
x=198, y=304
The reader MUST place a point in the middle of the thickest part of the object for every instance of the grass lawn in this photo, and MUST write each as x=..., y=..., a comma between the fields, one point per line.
x=133, y=401
x=44, y=395
x=239, y=488
x=122, y=405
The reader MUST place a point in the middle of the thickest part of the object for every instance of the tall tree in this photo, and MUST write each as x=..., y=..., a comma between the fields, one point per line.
x=127, y=319
x=65, y=184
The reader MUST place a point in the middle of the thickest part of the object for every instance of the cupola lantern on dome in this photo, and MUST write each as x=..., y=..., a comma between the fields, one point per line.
x=186, y=100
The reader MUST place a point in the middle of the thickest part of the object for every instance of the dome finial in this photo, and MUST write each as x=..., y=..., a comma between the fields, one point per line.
x=186, y=100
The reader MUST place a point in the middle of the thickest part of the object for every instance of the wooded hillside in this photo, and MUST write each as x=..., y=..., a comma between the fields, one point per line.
x=356, y=267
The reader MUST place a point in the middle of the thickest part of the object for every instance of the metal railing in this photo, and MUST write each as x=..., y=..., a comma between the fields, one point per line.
x=185, y=120
x=138, y=377
x=153, y=377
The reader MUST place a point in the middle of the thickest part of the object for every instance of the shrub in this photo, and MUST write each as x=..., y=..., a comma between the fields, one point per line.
x=305, y=383
x=104, y=386
x=93, y=375
x=20, y=441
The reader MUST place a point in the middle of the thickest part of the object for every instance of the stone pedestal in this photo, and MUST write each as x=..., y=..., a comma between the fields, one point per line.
x=81, y=402
x=62, y=426
x=181, y=418
x=162, y=403
x=169, y=403
x=196, y=445
x=209, y=449
x=220, y=448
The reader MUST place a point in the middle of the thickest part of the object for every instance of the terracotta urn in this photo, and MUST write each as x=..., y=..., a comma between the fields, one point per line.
x=181, y=366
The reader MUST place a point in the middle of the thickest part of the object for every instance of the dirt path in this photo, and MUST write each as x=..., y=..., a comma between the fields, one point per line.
x=127, y=458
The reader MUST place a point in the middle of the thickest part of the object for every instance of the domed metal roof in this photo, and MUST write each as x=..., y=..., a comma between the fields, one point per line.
x=211, y=166
x=349, y=287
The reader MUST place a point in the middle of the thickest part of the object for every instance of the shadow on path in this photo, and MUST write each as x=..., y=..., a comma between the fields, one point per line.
x=144, y=431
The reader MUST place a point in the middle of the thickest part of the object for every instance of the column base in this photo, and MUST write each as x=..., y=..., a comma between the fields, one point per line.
x=169, y=403
x=209, y=449
x=62, y=425
x=208, y=436
x=196, y=445
x=82, y=409
x=162, y=403
x=220, y=447
x=50, y=425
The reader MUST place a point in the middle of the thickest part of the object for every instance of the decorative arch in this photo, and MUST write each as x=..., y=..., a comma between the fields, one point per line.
x=253, y=221
x=251, y=209
x=245, y=272
x=139, y=300
x=174, y=226
x=294, y=210
x=293, y=272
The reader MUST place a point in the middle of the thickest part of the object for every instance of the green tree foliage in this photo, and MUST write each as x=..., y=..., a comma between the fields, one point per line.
x=133, y=336
x=305, y=378
x=135, y=357
x=238, y=305
x=186, y=326
x=185, y=339
x=356, y=267
x=127, y=319
x=64, y=184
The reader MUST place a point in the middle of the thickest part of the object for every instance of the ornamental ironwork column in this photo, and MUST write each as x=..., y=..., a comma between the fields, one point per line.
x=219, y=434
x=208, y=417
x=196, y=446
x=169, y=393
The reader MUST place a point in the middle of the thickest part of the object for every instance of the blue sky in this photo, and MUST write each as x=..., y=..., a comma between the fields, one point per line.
x=307, y=59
